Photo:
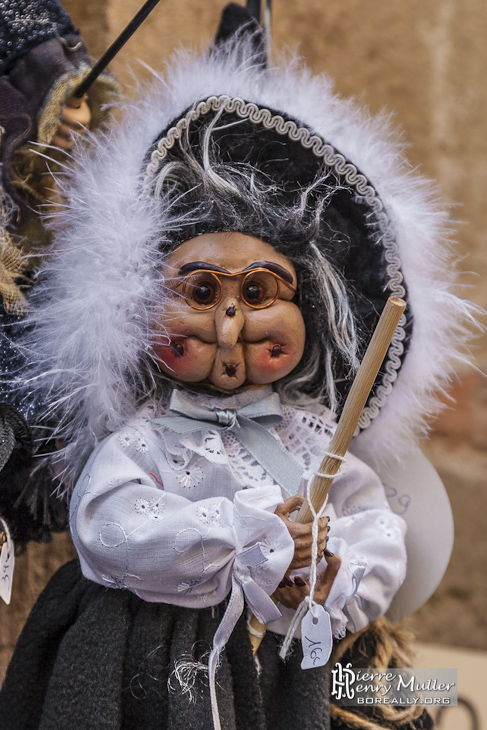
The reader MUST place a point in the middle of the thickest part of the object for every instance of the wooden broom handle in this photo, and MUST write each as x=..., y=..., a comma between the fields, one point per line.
x=352, y=410
x=354, y=404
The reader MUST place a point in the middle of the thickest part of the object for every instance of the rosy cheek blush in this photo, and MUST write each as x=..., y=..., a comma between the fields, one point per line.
x=176, y=357
x=187, y=359
x=165, y=358
x=269, y=361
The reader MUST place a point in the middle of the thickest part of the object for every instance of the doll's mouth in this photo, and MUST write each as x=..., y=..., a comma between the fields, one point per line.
x=231, y=369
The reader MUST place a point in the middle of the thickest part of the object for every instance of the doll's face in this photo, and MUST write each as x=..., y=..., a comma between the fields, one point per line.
x=230, y=331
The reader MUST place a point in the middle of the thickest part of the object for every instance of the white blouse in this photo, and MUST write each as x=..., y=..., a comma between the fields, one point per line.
x=174, y=518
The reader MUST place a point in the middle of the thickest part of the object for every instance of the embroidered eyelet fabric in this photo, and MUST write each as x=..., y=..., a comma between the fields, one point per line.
x=165, y=516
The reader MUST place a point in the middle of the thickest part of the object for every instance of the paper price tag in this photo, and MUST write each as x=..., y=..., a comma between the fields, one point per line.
x=7, y=563
x=316, y=638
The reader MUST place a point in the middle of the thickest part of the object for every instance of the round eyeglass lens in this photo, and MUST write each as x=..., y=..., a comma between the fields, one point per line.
x=202, y=289
x=260, y=289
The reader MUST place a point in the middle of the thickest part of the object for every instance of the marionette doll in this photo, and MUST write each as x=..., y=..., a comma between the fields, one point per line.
x=42, y=62
x=225, y=257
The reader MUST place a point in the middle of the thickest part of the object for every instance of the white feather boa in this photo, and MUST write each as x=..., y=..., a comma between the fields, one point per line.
x=92, y=311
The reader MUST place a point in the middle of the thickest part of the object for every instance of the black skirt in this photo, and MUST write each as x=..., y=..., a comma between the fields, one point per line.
x=95, y=658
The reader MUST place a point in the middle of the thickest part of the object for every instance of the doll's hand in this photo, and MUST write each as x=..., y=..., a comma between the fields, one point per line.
x=76, y=119
x=291, y=593
x=301, y=533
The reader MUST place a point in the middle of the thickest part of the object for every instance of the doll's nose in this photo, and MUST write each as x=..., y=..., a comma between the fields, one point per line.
x=229, y=322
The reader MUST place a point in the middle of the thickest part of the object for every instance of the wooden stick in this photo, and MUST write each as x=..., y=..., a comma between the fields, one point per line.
x=352, y=410
x=354, y=404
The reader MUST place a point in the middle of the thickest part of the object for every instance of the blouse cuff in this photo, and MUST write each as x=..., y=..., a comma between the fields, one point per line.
x=344, y=589
x=259, y=567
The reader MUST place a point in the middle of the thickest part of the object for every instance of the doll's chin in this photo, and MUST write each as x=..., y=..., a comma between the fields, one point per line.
x=227, y=383
x=222, y=382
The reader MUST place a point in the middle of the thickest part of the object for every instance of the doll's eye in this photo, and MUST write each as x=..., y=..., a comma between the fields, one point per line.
x=204, y=293
x=254, y=293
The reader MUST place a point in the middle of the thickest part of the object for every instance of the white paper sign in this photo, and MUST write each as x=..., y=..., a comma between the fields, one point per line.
x=7, y=563
x=316, y=638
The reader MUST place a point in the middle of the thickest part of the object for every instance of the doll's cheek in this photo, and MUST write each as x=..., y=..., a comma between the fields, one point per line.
x=186, y=358
x=274, y=342
x=270, y=360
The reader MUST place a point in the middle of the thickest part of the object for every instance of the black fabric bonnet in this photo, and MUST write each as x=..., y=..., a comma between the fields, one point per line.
x=312, y=193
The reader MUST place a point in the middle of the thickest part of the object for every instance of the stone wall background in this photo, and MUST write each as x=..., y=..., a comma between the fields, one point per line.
x=424, y=63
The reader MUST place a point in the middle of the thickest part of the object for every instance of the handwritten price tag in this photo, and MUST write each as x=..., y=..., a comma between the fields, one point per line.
x=7, y=563
x=316, y=638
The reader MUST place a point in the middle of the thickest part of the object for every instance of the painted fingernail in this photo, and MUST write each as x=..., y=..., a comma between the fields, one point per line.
x=328, y=553
x=299, y=582
x=287, y=581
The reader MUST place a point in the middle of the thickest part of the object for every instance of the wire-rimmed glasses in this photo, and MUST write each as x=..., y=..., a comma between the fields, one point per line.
x=203, y=289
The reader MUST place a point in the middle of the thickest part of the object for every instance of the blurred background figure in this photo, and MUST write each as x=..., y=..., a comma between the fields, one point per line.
x=42, y=61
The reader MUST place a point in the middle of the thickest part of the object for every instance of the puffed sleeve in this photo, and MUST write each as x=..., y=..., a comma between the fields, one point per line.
x=132, y=533
x=369, y=539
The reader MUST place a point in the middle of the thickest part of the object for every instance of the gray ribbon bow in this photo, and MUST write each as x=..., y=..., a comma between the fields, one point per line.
x=249, y=424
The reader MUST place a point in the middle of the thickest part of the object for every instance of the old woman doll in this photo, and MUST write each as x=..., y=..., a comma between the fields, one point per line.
x=225, y=258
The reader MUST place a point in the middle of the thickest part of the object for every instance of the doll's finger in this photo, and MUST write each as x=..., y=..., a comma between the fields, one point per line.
x=76, y=101
x=303, y=542
x=299, y=563
x=302, y=533
x=64, y=143
x=332, y=567
x=66, y=135
x=302, y=554
x=323, y=534
x=291, y=597
x=76, y=128
x=67, y=127
x=65, y=131
x=326, y=580
x=305, y=531
x=289, y=506
x=77, y=116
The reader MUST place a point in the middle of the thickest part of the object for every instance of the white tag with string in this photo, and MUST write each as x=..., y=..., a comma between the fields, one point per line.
x=316, y=637
x=7, y=563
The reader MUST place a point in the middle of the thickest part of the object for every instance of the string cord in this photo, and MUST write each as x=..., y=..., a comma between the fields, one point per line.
x=308, y=603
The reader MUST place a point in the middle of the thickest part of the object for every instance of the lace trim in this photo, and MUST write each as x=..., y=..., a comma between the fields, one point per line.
x=244, y=467
x=346, y=169
x=304, y=434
